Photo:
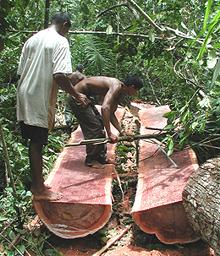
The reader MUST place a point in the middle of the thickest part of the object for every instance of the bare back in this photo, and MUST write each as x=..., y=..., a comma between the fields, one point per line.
x=99, y=85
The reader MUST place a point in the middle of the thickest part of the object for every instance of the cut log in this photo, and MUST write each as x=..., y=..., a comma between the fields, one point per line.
x=158, y=205
x=86, y=203
x=201, y=199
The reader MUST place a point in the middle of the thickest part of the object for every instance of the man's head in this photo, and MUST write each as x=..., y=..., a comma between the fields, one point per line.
x=62, y=22
x=132, y=83
x=80, y=68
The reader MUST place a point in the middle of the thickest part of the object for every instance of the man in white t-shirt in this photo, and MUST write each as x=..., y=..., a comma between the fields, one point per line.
x=45, y=62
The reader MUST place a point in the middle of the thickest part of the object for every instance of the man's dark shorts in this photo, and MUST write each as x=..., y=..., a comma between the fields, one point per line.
x=34, y=133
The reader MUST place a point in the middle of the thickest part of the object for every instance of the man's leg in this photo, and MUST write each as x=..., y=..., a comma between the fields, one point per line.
x=38, y=138
x=40, y=191
x=36, y=164
x=92, y=128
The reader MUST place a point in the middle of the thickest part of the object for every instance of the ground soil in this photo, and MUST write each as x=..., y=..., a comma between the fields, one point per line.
x=142, y=245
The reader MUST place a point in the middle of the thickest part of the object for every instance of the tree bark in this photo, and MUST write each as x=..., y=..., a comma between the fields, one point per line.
x=3, y=179
x=201, y=199
x=47, y=12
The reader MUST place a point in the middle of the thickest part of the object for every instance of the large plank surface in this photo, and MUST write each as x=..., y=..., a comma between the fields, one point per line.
x=158, y=205
x=86, y=204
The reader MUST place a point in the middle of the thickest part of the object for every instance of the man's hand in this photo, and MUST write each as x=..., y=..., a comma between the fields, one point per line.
x=81, y=98
x=113, y=138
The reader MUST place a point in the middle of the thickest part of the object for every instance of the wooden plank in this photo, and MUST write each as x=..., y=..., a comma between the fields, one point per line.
x=86, y=203
x=158, y=205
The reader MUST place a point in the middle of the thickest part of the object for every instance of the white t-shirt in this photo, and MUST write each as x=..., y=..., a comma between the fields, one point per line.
x=44, y=54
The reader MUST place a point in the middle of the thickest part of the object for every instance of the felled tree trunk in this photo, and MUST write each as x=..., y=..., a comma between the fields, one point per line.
x=201, y=199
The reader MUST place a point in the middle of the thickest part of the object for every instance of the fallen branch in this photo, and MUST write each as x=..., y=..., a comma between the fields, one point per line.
x=146, y=16
x=163, y=30
x=112, y=241
x=5, y=227
x=90, y=32
x=119, y=184
x=190, y=81
x=152, y=88
x=14, y=242
x=111, y=8
x=123, y=138
x=165, y=153
x=8, y=173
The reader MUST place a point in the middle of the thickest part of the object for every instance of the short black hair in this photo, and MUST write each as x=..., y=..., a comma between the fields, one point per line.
x=133, y=79
x=80, y=67
x=60, y=18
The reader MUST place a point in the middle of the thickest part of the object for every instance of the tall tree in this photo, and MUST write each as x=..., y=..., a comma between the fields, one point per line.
x=47, y=13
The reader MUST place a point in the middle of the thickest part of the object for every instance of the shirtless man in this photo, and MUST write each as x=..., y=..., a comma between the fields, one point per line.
x=91, y=122
x=75, y=78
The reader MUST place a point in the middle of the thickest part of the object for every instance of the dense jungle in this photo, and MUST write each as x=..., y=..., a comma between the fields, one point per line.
x=173, y=45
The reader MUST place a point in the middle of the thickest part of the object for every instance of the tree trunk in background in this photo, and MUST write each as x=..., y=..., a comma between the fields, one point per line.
x=3, y=179
x=201, y=199
x=47, y=12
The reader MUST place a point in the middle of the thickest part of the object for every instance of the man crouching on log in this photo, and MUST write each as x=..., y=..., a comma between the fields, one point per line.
x=91, y=122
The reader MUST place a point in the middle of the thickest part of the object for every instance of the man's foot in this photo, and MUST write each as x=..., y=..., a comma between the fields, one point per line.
x=89, y=161
x=98, y=165
x=47, y=186
x=104, y=160
x=46, y=195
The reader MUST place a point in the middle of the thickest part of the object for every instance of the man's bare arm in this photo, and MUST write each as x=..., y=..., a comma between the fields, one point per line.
x=64, y=82
x=107, y=106
x=115, y=122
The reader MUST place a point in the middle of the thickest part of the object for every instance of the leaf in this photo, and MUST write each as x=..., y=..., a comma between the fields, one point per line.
x=151, y=36
x=216, y=46
x=184, y=26
x=216, y=72
x=109, y=30
x=212, y=59
x=194, y=125
x=11, y=235
x=207, y=11
x=184, y=118
x=2, y=218
x=170, y=146
x=10, y=254
x=169, y=127
x=183, y=141
x=214, y=22
x=204, y=103
x=170, y=114
x=21, y=248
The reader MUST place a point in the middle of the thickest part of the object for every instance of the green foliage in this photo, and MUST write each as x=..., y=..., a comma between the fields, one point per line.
x=96, y=55
x=16, y=209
